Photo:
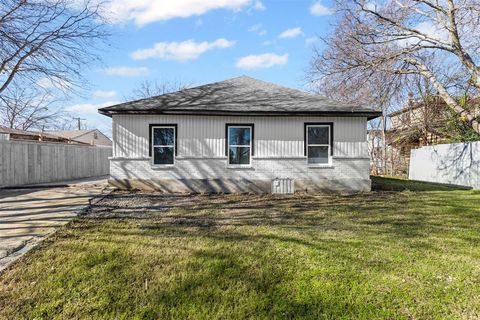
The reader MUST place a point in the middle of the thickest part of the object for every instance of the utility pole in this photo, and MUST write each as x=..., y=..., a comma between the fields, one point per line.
x=79, y=122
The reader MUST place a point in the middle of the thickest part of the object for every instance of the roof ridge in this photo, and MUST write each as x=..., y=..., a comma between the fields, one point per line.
x=218, y=82
x=69, y=133
x=277, y=85
x=85, y=132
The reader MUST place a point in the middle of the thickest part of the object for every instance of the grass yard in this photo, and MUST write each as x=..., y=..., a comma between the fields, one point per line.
x=411, y=254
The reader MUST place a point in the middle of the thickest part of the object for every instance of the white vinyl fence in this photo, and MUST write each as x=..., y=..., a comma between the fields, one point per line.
x=33, y=162
x=456, y=163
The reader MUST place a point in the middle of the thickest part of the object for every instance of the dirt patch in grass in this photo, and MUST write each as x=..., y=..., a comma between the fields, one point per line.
x=227, y=209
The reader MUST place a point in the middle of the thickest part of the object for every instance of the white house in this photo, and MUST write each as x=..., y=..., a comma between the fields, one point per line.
x=240, y=135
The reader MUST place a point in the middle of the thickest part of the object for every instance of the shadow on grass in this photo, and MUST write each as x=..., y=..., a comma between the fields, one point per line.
x=395, y=184
x=215, y=273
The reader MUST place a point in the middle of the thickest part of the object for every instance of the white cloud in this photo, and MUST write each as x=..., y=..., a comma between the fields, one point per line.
x=104, y=94
x=255, y=27
x=311, y=40
x=432, y=30
x=127, y=71
x=261, y=61
x=52, y=83
x=258, y=29
x=427, y=28
x=291, y=33
x=370, y=5
x=318, y=9
x=143, y=12
x=259, y=6
x=180, y=51
x=45, y=83
x=89, y=108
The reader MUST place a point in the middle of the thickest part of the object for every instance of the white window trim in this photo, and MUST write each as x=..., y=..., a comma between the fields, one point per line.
x=329, y=164
x=239, y=145
x=169, y=146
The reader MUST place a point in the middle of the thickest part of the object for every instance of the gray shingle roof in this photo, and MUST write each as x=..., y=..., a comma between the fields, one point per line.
x=240, y=96
x=70, y=134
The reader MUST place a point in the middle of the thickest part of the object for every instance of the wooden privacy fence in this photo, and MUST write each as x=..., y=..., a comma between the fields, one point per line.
x=456, y=163
x=33, y=162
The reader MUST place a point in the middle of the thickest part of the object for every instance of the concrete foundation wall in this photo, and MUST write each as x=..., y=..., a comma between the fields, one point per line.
x=213, y=175
x=33, y=162
x=456, y=163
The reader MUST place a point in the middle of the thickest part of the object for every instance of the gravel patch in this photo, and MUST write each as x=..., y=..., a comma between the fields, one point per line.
x=157, y=210
x=139, y=205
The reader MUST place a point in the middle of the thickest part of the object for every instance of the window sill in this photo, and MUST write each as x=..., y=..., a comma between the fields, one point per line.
x=240, y=167
x=321, y=166
x=163, y=167
x=278, y=157
x=201, y=158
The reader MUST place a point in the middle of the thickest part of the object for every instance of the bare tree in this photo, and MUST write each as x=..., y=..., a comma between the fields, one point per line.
x=376, y=91
x=147, y=89
x=403, y=38
x=26, y=108
x=52, y=39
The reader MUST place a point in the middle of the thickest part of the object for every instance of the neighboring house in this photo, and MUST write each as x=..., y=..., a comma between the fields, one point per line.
x=240, y=135
x=418, y=124
x=93, y=136
x=22, y=135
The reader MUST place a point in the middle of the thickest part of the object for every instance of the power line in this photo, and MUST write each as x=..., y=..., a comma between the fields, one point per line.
x=79, y=122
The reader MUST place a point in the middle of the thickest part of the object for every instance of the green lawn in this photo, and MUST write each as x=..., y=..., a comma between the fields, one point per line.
x=398, y=184
x=384, y=255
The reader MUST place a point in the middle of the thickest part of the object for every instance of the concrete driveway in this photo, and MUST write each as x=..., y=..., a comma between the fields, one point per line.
x=29, y=215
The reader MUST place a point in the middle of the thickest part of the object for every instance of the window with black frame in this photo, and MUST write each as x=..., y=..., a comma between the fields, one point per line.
x=318, y=144
x=239, y=148
x=163, y=145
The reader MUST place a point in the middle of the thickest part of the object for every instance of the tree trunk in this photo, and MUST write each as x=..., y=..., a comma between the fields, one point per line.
x=451, y=102
x=465, y=58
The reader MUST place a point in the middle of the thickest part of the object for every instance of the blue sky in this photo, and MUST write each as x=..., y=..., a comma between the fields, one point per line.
x=198, y=42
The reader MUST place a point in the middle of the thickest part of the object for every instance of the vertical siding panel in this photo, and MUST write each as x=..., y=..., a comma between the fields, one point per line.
x=204, y=136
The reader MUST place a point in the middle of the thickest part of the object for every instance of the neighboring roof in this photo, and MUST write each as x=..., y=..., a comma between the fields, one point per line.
x=71, y=134
x=409, y=107
x=14, y=131
x=34, y=135
x=26, y=133
x=435, y=102
x=79, y=135
x=240, y=96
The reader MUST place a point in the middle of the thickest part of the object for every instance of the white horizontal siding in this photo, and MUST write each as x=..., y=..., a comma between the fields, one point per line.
x=204, y=136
